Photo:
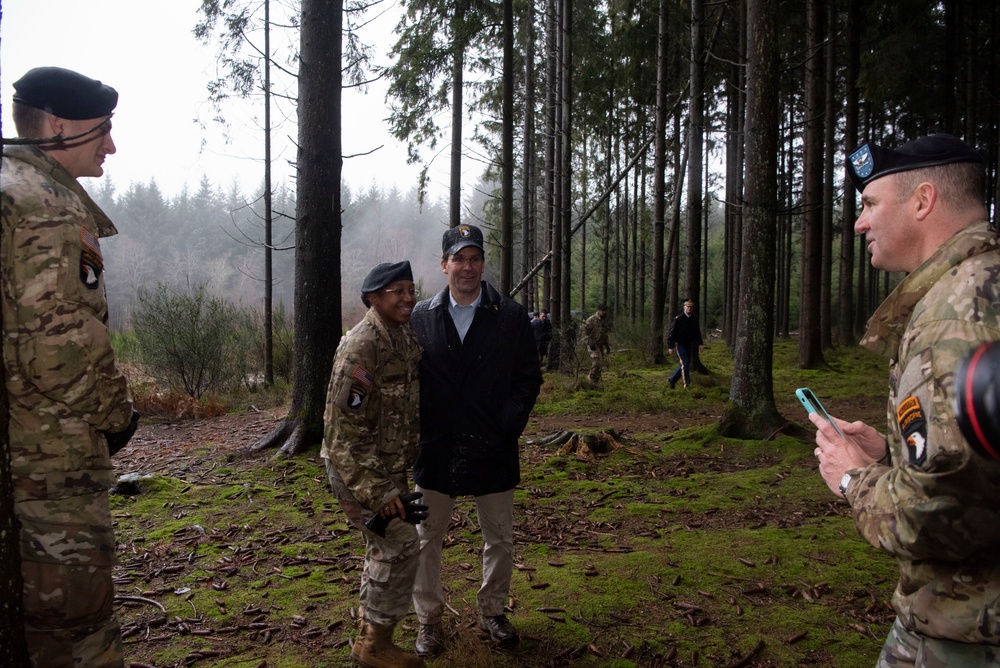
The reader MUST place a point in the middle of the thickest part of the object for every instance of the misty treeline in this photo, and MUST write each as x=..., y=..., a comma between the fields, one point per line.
x=648, y=103
x=211, y=237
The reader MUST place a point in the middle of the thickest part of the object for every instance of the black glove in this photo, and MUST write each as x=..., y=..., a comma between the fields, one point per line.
x=415, y=514
x=119, y=439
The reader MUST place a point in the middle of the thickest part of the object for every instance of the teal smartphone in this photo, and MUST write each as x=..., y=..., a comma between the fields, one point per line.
x=812, y=405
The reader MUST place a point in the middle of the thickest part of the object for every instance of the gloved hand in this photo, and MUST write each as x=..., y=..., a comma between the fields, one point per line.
x=119, y=439
x=415, y=514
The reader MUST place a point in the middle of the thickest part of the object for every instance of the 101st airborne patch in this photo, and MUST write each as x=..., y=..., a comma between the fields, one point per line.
x=913, y=427
x=361, y=383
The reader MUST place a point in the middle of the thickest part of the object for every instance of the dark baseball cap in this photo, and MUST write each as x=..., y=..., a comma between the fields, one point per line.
x=870, y=161
x=457, y=238
x=65, y=93
x=385, y=274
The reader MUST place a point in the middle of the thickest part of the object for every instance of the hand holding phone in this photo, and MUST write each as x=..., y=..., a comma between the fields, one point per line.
x=812, y=405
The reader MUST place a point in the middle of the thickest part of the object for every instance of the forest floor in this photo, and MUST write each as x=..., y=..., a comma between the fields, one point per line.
x=679, y=549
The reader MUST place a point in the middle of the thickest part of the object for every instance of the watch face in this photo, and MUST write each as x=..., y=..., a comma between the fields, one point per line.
x=844, y=482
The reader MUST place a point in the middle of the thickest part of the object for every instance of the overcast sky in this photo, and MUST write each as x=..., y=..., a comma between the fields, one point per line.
x=163, y=124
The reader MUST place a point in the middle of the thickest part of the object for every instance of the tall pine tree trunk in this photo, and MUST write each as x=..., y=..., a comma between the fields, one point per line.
x=317, y=317
x=846, y=321
x=810, y=339
x=751, y=412
x=507, y=159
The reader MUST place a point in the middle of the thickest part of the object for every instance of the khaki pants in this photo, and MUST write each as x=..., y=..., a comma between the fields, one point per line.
x=496, y=519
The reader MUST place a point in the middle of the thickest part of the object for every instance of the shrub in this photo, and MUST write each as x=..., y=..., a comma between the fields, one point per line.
x=193, y=341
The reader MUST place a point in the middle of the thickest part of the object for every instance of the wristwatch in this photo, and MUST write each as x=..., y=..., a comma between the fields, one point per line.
x=844, y=482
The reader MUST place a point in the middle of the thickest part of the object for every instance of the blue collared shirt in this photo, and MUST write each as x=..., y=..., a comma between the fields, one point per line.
x=462, y=315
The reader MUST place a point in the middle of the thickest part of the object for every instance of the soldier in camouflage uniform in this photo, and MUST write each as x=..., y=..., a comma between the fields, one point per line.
x=920, y=493
x=595, y=335
x=372, y=431
x=68, y=402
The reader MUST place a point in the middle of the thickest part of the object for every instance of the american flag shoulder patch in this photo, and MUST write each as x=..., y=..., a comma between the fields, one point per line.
x=359, y=374
x=90, y=241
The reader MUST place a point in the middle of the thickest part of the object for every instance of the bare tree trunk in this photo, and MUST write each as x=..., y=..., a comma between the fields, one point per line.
x=846, y=325
x=268, y=219
x=317, y=318
x=829, y=149
x=507, y=166
x=566, y=190
x=751, y=412
x=551, y=70
x=457, y=89
x=656, y=355
x=810, y=342
x=734, y=183
x=696, y=139
x=528, y=160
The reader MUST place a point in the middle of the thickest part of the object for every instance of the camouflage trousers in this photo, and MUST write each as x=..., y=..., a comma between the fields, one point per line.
x=67, y=554
x=909, y=650
x=596, y=364
x=390, y=561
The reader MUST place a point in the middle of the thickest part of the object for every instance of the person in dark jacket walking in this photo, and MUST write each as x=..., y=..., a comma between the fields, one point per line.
x=479, y=378
x=684, y=334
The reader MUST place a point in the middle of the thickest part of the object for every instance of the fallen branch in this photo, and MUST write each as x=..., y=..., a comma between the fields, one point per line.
x=140, y=599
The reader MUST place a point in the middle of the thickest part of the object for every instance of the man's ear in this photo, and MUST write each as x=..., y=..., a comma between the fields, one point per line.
x=925, y=198
x=55, y=125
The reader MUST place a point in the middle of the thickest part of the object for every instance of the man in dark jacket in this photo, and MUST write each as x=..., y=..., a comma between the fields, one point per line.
x=479, y=378
x=542, y=329
x=684, y=334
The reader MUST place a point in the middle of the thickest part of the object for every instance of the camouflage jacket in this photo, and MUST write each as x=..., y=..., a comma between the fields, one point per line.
x=372, y=417
x=61, y=376
x=595, y=332
x=935, y=506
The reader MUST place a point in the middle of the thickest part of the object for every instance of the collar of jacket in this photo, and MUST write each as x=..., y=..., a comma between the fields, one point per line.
x=887, y=324
x=46, y=164
x=491, y=300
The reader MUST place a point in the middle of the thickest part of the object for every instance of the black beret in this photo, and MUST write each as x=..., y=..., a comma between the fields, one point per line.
x=457, y=238
x=385, y=274
x=869, y=162
x=65, y=93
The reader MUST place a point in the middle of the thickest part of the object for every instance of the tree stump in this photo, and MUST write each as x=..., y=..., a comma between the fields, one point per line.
x=585, y=446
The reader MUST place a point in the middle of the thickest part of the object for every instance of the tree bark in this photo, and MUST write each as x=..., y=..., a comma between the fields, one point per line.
x=846, y=321
x=751, y=412
x=317, y=317
x=659, y=291
x=810, y=339
x=507, y=159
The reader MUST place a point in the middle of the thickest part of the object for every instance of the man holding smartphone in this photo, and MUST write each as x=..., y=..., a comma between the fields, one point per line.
x=920, y=493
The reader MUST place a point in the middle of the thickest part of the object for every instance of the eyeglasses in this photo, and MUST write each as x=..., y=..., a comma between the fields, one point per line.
x=409, y=292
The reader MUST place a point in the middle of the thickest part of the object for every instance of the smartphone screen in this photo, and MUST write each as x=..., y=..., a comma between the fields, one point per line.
x=812, y=405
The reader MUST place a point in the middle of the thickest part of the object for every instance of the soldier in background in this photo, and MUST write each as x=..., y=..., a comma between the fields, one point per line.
x=595, y=335
x=920, y=493
x=372, y=430
x=70, y=408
